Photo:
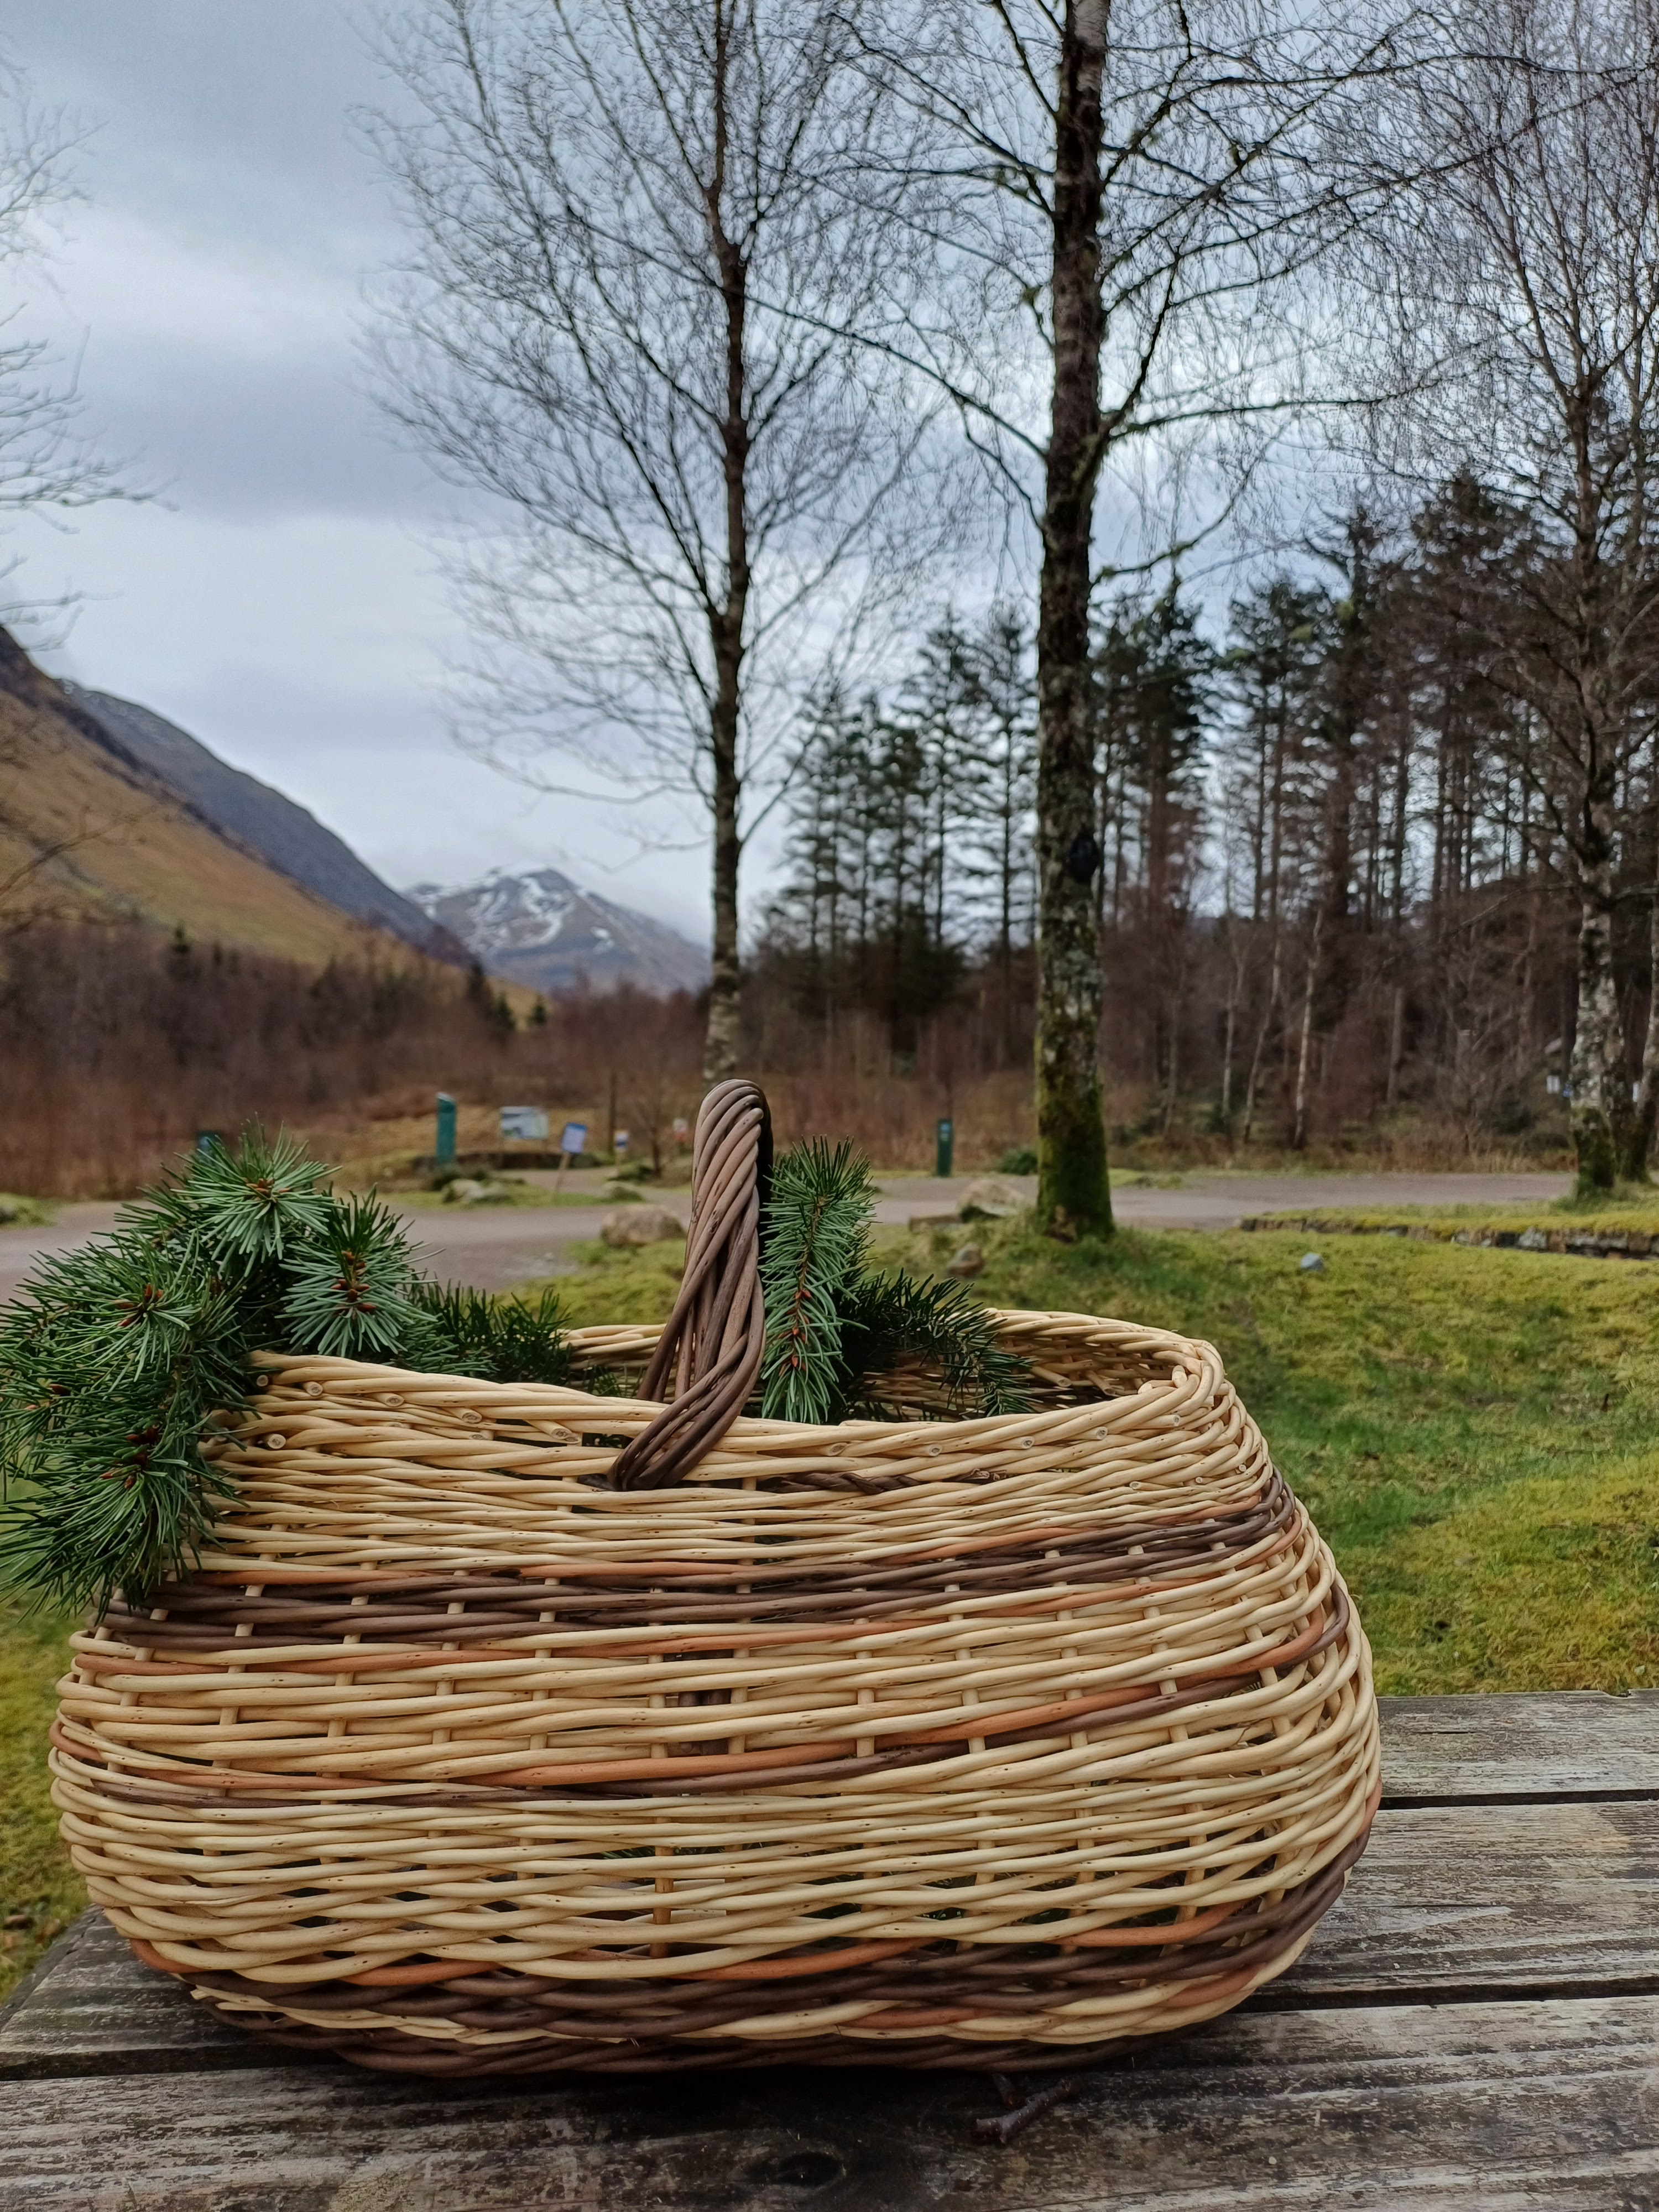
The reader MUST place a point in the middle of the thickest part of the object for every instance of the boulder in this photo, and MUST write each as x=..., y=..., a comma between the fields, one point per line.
x=1312, y=1263
x=469, y=1190
x=641, y=1225
x=991, y=1198
x=970, y=1261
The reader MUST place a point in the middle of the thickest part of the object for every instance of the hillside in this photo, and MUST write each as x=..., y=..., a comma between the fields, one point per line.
x=90, y=834
x=282, y=833
x=543, y=930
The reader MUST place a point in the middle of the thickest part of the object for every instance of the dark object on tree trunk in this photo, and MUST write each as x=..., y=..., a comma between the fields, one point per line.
x=1082, y=858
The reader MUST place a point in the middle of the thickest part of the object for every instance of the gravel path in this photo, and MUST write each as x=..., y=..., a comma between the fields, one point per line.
x=494, y=1246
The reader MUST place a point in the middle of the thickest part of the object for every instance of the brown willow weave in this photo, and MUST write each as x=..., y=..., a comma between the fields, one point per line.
x=986, y=1743
x=708, y=1357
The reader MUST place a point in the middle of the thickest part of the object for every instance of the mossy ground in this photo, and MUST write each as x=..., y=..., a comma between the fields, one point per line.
x=1476, y=1432
x=40, y=1893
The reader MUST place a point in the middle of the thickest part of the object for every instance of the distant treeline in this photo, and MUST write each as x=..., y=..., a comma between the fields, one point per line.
x=1329, y=850
x=118, y=1046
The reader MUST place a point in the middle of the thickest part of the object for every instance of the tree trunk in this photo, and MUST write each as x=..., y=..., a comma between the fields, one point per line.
x=1299, y=1125
x=1268, y=1010
x=1396, y=1045
x=1601, y=1098
x=1073, y=1195
x=722, y=1042
x=1638, y=1145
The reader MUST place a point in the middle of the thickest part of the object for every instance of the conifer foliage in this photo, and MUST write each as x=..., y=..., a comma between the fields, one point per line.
x=116, y=1358
x=837, y=1336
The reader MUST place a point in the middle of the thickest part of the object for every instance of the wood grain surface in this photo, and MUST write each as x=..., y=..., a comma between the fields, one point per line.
x=1498, y=2106
x=1475, y=2026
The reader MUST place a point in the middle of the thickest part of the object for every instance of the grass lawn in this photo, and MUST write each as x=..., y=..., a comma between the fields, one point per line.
x=1476, y=1432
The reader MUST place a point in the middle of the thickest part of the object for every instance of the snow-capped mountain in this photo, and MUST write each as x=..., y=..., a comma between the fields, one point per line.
x=541, y=929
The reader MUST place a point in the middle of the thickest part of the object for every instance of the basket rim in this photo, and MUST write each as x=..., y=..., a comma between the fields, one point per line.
x=1028, y=1326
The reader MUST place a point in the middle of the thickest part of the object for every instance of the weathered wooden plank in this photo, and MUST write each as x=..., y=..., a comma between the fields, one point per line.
x=1506, y=2108
x=90, y=2007
x=1574, y=1743
x=1499, y=1900
x=1453, y=1902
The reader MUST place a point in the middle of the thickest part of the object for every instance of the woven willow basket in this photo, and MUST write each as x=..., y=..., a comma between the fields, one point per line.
x=988, y=1743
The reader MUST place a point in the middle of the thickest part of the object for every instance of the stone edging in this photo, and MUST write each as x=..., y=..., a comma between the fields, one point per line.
x=1584, y=1243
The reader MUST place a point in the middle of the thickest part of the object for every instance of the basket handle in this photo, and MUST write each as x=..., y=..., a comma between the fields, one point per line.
x=709, y=1356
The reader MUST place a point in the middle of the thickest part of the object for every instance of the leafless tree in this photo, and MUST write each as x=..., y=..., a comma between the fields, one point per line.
x=625, y=320
x=47, y=461
x=1122, y=208
x=1528, y=263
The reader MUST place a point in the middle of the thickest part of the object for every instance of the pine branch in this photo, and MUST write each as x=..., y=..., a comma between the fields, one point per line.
x=259, y=1201
x=111, y=1361
x=892, y=1322
x=816, y=1234
x=115, y=1358
x=501, y=1339
x=349, y=1285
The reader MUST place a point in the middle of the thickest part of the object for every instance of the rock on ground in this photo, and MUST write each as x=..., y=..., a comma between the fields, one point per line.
x=641, y=1225
x=990, y=1198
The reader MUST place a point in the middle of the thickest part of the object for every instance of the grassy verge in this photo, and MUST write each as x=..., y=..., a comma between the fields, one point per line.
x=1475, y=1430
x=40, y=1893
x=19, y=1212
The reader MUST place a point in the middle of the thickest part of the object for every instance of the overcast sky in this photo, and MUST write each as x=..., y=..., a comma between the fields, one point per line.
x=282, y=603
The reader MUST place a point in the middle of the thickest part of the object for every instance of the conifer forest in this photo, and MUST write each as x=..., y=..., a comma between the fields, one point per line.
x=1336, y=882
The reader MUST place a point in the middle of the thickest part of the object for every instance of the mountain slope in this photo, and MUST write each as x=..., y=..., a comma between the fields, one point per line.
x=90, y=834
x=541, y=929
x=275, y=827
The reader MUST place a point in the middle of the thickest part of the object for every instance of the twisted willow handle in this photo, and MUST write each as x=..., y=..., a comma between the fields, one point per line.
x=708, y=1357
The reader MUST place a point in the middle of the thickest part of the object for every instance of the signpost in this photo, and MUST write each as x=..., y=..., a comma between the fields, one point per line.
x=573, y=1143
x=525, y=1122
x=443, y=1150
x=945, y=1147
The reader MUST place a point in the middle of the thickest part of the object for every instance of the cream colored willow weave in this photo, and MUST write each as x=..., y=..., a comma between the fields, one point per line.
x=1100, y=1758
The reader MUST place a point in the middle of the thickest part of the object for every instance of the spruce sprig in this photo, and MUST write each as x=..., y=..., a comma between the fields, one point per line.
x=817, y=1234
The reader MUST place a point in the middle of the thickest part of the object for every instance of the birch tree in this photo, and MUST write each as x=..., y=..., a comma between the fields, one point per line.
x=1118, y=202
x=1528, y=260
x=625, y=319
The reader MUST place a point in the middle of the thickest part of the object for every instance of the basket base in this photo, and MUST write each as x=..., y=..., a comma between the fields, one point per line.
x=391, y=2052
x=480, y=2021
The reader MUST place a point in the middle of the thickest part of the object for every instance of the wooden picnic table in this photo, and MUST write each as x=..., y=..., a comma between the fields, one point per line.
x=1476, y=2024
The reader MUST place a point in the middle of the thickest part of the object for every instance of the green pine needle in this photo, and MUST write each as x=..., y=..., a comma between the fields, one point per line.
x=349, y=1285
x=258, y=1201
x=816, y=1236
x=892, y=1323
x=115, y=1358
x=501, y=1340
x=111, y=1361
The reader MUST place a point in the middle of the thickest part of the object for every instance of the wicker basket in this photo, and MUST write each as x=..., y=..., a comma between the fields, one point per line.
x=987, y=1743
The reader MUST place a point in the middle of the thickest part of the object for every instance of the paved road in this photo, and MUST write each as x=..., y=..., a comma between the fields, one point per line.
x=494, y=1246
